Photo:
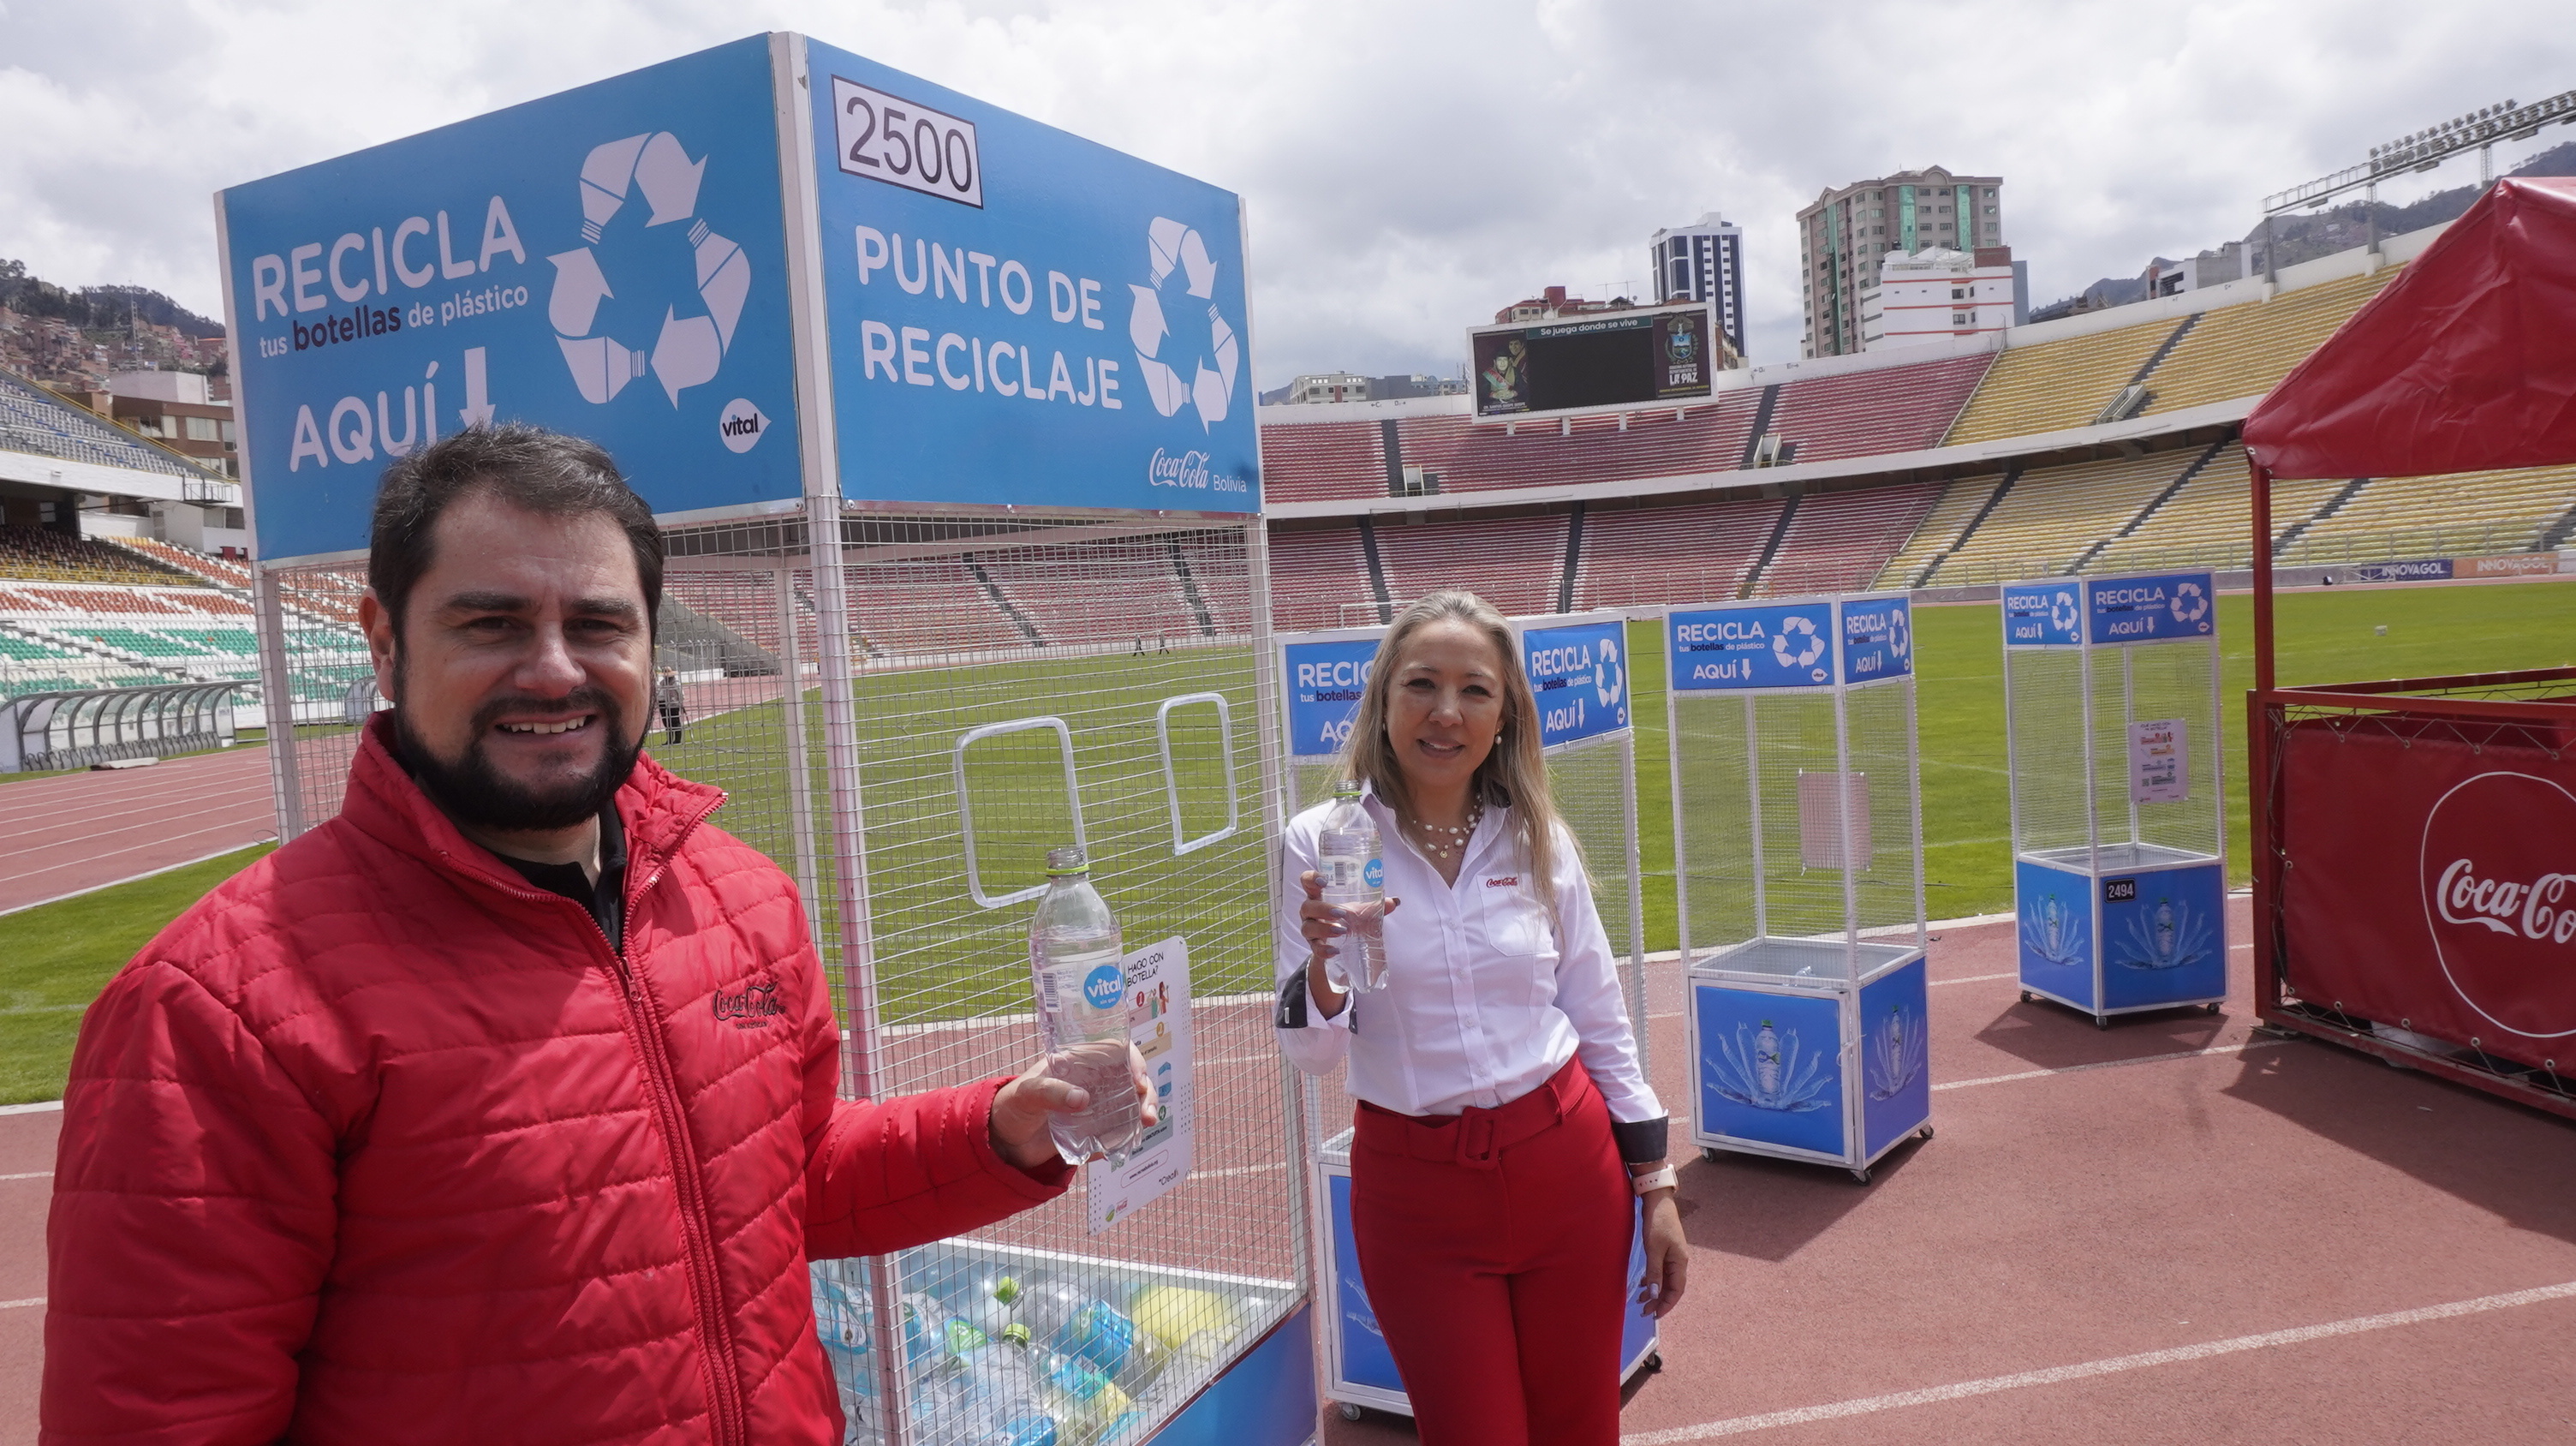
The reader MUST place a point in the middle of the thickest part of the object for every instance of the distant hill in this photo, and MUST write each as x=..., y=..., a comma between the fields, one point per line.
x=2311, y=234
x=97, y=307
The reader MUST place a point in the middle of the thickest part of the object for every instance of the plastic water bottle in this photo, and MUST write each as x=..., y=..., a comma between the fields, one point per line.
x=1075, y=954
x=1065, y=1318
x=1001, y=1402
x=1354, y=876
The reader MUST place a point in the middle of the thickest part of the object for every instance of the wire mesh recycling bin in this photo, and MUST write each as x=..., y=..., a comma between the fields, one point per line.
x=946, y=416
x=1359, y=1371
x=1798, y=840
x=2119, y=829
x=1579, y=672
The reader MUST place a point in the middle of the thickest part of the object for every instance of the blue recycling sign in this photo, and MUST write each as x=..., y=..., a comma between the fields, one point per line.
x=1579, y=675
x=2043, y=614
x=608, y=262
x=1878, y=639
x=1019, y=315
x=1323, y=681
x=2155, y=609
x=1009, y=314
x=1757, y=646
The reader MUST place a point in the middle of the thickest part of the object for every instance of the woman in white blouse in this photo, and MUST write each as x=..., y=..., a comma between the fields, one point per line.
x=1504, y=1124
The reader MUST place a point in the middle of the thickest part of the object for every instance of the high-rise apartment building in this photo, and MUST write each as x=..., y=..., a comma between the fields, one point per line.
x=1704, y=261
x=1847, y=231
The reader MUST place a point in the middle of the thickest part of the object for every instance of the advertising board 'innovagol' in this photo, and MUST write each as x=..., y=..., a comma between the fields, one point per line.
x=613, y=262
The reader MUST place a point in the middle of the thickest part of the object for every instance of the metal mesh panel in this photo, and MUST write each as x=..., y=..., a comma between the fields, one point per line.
x=329, y=686
x=2142, y=682
x=1794, y=829
x=1594, y=783
x=2044, y=741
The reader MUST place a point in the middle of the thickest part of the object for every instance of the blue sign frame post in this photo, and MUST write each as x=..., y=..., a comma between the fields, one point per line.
x=1798, y=845
x=2119, y=831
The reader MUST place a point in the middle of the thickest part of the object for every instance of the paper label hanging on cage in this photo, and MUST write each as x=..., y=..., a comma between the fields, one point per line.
x=1158, y=1020
x=1820, y=820
x=2159, y=761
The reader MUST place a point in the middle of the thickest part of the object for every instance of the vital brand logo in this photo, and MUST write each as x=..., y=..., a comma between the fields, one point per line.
x=740, y=426
x=1182, y=278
x=750, y=1005
x=2499, y=891
x=1373, y=873
x=709, y=279
x=1104, y=987
x=1189, y=471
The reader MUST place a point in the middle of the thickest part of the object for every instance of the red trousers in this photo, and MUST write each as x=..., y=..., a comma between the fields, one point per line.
x=1495, y=1251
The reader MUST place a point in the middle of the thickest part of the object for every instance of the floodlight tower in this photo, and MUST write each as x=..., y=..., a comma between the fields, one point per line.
x=2479, y=130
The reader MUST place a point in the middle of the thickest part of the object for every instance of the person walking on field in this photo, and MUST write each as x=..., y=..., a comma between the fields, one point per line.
x=673, y=708
x=502, y=1106
x=1504, y=1127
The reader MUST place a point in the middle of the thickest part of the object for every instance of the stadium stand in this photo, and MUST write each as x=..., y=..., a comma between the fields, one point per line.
x=1214, y=571
x=1891, y=409
x=1317, y=577
x=2053, y=516
x=35, y=420
x=2209, y=522
x=221, y=571
x=1312, y=461
x=1487, y=456
x=2057, y=384
x=1673, y=553
x=1099, y=594
x=34, y=553
x=1961, y=502
x=2459, y=515
x=1515, y=563
x=927, y=605
x=2240, y=351
x=1841, y=541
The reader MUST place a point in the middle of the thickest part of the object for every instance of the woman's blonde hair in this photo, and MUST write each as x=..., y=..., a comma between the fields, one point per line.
x=1514, y=775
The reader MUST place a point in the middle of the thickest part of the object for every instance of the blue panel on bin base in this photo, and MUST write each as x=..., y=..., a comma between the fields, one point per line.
x=2055, y=912
x=1637, y=1330
x=1769, y=1068
x=1365, y=1359
x=1895, y=1077
x=1265, y=1399
x=2164, y=938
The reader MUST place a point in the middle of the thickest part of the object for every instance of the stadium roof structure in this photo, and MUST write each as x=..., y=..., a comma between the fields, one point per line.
x=2466, y=362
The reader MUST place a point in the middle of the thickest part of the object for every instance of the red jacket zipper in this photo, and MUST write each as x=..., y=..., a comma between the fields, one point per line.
x=696, y=1231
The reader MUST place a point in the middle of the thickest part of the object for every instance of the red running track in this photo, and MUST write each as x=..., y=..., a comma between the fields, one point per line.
x=2163, y=1232
x=81, y=831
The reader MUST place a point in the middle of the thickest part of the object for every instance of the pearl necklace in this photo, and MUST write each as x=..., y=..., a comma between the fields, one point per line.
x=1457, y=837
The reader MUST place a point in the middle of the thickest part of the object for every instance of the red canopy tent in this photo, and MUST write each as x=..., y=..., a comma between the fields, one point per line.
x=2415, y=840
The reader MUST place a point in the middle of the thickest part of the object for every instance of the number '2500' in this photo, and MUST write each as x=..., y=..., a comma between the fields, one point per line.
x=903, y=143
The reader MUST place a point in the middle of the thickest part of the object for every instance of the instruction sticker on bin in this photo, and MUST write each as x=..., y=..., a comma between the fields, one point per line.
x=1752, y=647
x=2159, y=761
x=1158, y=1021
x=1579, y=675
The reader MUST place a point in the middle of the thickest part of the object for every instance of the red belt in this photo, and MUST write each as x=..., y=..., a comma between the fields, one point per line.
x=1475, y=1136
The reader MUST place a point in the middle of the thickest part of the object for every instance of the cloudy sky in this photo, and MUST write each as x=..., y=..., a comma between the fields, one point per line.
x=1408, y=167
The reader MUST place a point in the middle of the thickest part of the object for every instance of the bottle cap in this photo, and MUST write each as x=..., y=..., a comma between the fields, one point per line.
x=1346, y=788
x=1067, y=860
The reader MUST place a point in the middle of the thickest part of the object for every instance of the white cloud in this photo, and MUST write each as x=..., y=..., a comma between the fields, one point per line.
x=1408, y=168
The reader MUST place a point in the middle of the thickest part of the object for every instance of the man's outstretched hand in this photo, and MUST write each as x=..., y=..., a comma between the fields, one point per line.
x=1026, y=1106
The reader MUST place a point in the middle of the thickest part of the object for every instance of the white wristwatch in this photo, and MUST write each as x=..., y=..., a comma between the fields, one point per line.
x=1662, y=1178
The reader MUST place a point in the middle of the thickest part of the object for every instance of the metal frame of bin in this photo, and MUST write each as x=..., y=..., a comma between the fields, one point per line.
x=1880, y=963
x=1337, y=1276
x=2052, y=618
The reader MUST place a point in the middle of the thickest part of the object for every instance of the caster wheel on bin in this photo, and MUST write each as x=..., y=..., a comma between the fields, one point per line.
x=2026, y=999
x=1350, y=1412
x=2211, y=1008
x=1861, y=1175
x=1655, y=1362
x=2101, y=1021
x=1927, y=1132
x=1708, y=1154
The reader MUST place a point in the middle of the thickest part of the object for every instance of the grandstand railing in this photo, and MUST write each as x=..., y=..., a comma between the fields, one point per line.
x=2352, y=549
x=83, y=728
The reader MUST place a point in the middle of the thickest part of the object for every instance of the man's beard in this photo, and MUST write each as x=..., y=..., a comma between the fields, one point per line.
x=473, y=792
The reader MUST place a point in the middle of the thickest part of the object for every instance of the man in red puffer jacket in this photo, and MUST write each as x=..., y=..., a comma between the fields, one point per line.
x=501, y=1106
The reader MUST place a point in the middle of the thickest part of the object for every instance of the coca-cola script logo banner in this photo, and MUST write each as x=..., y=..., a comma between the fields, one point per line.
x=2498, y=868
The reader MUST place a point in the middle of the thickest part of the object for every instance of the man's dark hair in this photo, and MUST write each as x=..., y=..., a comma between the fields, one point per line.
x=527, y=467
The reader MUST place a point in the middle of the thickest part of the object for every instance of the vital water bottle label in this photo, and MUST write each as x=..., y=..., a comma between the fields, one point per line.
x=1374, y=874
x=1105, y=986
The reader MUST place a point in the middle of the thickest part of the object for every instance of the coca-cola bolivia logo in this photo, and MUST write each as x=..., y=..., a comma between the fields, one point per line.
x=2500, y=898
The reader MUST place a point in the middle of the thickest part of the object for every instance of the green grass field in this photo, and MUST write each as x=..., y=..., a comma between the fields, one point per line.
x=940, y=955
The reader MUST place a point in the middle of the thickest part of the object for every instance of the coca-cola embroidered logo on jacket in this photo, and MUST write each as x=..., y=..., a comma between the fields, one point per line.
x=2498, y=867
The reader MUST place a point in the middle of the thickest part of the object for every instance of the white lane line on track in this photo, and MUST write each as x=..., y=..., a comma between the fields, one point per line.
x=130, y=878
x=2057, y=1375
x=38, y=1108
x=30, y=1175
x=1972, y=979
x=142, y=803
x=1961, y=1084
x=16, y=1304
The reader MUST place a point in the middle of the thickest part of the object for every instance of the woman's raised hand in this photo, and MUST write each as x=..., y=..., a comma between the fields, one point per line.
x=1322, y=923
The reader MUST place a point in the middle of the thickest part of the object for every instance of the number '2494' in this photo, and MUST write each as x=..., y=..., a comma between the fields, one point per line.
x=887, y=138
